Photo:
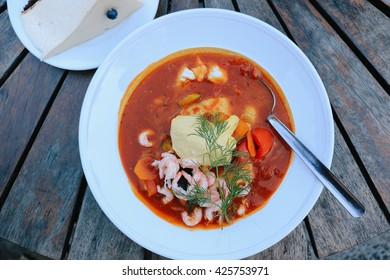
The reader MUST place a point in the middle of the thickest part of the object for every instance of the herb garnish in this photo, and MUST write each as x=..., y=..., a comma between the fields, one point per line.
x=236, y=175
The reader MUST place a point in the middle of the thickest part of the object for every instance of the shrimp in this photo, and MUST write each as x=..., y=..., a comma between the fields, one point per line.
x=168, y=167
x=143, y=138
x=200, y=178
x=189, y=163
x=212, y=211
x=214, y=193
x=167, y=192
x=194, y=218
x=216, y=188
x=210, y=178
x=178, y=191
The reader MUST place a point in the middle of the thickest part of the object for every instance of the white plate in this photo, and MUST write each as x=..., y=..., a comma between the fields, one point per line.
x=90, y=54
x=195, y=28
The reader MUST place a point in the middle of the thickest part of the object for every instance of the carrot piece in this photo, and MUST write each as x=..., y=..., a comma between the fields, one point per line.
x=151, y=187
x=250, y=144
x=144, y=169
x=264, y=139
x=241, y=130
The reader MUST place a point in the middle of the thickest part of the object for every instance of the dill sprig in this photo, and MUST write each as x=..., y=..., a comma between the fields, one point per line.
x=210, y=130
x=236, y=175
x=195, y=196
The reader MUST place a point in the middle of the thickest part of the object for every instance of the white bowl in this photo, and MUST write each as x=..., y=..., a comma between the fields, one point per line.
x=98, y=133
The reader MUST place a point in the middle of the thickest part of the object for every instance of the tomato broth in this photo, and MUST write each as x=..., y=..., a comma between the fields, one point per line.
x=151, y=102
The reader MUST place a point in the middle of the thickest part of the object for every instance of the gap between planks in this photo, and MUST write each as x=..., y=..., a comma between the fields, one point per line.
x=377, y=76
x=31, y=141
x=361, y=166
x=3, y=7
x=381, y=6
x=281, y=21
x=338, y=122
x=235, y=5
x=74, y=218
x=13, y=66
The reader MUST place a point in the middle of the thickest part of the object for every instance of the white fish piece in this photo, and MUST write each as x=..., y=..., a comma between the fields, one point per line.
x=217, y=75
x=186, y=76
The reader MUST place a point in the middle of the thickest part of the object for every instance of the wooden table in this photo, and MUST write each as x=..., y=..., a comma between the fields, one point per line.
x=47, y=209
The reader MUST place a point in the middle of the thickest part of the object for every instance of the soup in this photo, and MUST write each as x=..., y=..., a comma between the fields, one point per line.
x=194, y=138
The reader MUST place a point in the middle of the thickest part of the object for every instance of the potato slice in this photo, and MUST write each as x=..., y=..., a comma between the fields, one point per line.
x=191, y=98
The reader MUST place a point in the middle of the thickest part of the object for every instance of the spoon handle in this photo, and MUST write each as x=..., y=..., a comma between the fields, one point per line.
x=343, y=195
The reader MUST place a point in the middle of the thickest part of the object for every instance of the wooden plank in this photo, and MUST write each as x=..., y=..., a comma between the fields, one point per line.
x=293, y=247
x=10, y=46
x=96, y=238
x=23, y=98
x=261, y=10
x=162, y=8
x=352, y=97
x=371, y=37
x=334, y=229
x=178, y=5
x=2, y=2
x=219, y=4
x=38, y=210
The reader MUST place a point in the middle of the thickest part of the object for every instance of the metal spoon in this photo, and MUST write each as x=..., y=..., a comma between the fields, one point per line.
x=342, y=194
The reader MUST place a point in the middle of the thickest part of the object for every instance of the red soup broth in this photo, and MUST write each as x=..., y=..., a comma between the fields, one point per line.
x=151, y=102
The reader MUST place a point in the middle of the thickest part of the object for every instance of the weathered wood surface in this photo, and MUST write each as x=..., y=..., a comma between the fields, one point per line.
x=261, y=10
x=10, y=46
x=367, y=27
x=359, y=101
x=333, y=228
x=97, y=238
x=219, y=4
x=178, y=5
x=39, y=207
x=23, y=98
x=349, y=85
